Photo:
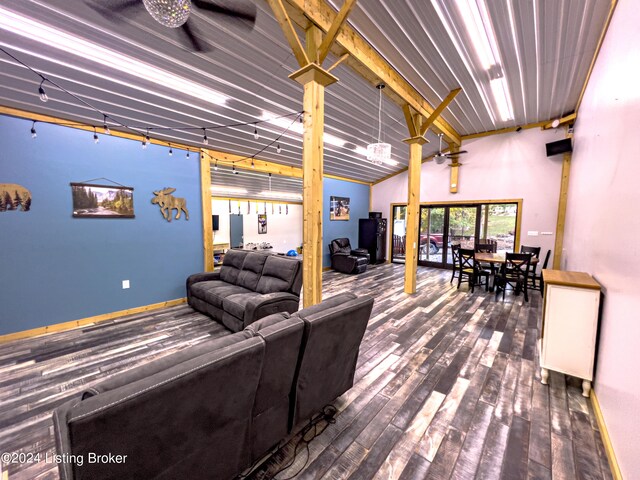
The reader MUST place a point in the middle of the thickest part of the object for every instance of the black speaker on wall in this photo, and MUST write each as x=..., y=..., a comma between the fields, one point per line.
x=561, y=146
x=215, y=221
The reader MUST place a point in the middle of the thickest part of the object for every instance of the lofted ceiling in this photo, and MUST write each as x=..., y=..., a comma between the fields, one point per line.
x=542, y=53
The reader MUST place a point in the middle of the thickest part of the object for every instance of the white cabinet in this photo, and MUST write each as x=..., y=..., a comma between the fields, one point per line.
x=569, y=325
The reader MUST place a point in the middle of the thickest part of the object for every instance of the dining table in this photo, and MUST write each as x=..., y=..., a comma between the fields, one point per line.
x=500, y=259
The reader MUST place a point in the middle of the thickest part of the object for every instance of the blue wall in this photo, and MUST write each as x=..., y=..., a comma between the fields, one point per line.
x=359, y=208
x=55, y=268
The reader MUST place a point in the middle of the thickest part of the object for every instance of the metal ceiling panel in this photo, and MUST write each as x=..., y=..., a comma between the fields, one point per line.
x=545, y=47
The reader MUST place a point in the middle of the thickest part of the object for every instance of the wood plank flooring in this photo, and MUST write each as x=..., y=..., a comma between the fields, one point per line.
x=447, y=386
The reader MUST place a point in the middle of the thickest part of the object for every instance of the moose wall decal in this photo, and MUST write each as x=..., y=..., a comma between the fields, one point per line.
x=168, y=203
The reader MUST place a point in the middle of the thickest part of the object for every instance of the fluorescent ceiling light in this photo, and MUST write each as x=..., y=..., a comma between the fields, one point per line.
x=53, y=37
x=287, y=195
x=223, y=189
x=478, y=26
x=297, y=127
x=500, y=91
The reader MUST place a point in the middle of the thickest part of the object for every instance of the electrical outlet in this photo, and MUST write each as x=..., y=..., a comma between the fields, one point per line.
x=126, y=284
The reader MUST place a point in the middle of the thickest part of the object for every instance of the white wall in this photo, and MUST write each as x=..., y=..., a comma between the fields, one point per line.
x=284, y=231
x=603, y=224
x=508, y=166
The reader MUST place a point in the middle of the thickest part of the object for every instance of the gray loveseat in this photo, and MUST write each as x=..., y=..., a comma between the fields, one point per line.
x=211, y=410
x=248, y=286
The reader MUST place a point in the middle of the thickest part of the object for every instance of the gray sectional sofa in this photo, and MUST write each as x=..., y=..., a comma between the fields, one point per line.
x=210, y=411
x=248, y=286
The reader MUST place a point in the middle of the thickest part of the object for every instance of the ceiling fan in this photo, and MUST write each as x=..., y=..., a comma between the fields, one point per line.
x=176, y=13
x=441, y=157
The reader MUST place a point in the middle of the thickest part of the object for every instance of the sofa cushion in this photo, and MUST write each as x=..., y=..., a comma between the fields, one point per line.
x=215, y=291
x=236, y=304
x=278, y=274
x=232, y=265
x=251, y=270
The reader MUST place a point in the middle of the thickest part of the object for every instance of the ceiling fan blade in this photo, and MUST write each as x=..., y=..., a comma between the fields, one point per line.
x=455, y=154
x=242, y=9
x=191, y=36
x=112, y=10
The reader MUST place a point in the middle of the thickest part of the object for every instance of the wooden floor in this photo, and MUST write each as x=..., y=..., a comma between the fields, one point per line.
x=447, y=386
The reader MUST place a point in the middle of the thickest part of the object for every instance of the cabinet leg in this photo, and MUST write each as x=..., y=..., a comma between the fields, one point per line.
x=544, y=373
x=586, y=388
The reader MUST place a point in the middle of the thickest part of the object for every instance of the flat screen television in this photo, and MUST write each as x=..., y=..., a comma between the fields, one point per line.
x=215, y=220
x=561, y=146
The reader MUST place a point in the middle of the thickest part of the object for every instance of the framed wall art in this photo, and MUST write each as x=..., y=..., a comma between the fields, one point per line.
x=262, y=223
x=102, y=201
x=339, y=208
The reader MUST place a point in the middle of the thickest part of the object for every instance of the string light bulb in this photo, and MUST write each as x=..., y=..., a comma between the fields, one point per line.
x=43, y=94
x=278, y=149
x=188, y=153
x=253, y=165
x=170, y=150
x=33, y=130
x=96, y=139
x=234, y=169
x=205, y=140
x=146, y=140
x=256, y=135
x=106, y=127
x=215, y=167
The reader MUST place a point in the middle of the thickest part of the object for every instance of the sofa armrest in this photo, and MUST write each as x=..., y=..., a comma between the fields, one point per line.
x=201, y=277
x=268, y=304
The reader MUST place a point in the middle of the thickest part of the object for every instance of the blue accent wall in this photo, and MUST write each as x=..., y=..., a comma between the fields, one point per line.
x=55, y=268
x=359, y=208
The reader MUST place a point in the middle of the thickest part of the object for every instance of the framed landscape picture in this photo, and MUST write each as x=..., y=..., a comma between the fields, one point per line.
x=339, y=208
x=102, y=201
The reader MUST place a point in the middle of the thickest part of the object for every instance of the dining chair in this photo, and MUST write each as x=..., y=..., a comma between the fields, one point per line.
x=535, y=251
x=468, y=268
x=514, y=272
x=456, y=260
x=486, y=248
x=538, y=276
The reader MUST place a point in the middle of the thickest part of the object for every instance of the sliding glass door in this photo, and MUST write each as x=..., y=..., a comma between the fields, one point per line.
x=464, y=224
x=398, y=233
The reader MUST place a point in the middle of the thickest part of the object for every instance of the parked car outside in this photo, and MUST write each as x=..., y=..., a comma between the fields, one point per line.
x=435, y=241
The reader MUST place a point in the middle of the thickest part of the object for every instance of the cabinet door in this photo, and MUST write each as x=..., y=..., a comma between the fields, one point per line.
x=570, y=325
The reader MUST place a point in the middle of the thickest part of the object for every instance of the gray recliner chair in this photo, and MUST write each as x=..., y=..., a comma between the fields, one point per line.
x=347, y=260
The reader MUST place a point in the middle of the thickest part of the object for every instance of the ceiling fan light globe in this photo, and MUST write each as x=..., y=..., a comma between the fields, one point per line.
x=170, y=13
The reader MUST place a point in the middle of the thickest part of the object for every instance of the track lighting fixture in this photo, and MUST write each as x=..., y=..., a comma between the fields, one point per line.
x=106, y=127
x=256, y=135
x=96, y=139
x=278, y=149
x=205, y=140
x=43, y=94
x=33, y=130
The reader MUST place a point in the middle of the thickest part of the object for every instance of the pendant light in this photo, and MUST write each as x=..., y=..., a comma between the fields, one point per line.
x=379, y=153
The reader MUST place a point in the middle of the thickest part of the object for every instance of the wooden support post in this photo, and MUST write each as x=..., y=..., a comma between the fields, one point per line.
x=562, y=211
x=454, y=180
x=314, y=79
x=413, y=214
x=205, y=195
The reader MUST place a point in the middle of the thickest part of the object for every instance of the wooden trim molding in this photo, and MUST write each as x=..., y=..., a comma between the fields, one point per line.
x=61, y=327
x=606, y=440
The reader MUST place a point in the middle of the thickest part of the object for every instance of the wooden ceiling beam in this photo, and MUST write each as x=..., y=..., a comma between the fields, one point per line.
x=436, y=113
x=333, y=31
x=289, y=32
x=561, y=121
x=366, y=61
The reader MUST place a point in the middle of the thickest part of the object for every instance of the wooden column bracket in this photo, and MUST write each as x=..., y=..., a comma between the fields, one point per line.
x=436, y=113
x=289, y=32
x=333, y=31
